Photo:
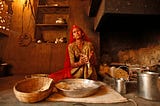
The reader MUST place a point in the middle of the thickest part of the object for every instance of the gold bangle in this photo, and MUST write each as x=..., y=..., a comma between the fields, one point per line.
x=79, y=63
x=76, y=64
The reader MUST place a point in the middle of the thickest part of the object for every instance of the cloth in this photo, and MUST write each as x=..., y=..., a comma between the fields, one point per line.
x=66, y=71
x=105, y=95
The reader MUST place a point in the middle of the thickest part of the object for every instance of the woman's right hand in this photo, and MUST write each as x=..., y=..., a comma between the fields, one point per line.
x=84, y=59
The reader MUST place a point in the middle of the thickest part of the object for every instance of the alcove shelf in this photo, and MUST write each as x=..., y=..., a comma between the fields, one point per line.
x=47, y=13
x=55, y=26
x=50, y=9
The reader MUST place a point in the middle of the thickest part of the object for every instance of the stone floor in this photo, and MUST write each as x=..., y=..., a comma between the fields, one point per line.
x=7, y=97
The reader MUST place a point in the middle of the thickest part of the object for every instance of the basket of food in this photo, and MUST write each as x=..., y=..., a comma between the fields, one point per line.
x=33, y=89
x=78, y=87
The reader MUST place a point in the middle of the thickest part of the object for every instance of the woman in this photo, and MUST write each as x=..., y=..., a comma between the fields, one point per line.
x=80, y=57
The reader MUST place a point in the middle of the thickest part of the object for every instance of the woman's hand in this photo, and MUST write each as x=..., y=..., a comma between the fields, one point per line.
x=91, y=54
x=84, y=59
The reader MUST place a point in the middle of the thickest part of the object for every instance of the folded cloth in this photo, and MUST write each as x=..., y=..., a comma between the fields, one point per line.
x=105, y=95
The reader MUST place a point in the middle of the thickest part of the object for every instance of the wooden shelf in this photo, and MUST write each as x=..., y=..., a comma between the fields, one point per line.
x=51, y=6
x=53, y=2
x=52, y=26
x=50, y=9
x=3, y=35
x=46, y=15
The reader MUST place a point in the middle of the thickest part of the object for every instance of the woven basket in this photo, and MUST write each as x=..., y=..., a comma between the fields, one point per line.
x=33, y=89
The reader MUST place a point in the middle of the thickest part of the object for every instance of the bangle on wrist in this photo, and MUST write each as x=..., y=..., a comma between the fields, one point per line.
x=79, y=63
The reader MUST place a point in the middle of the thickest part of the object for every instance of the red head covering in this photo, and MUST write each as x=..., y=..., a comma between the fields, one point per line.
x=65, y=72
x=71, y=40
x=71, y=34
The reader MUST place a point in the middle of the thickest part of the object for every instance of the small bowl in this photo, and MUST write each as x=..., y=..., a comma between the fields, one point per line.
x=60, y=21
x=78, y=88
x=36, y=75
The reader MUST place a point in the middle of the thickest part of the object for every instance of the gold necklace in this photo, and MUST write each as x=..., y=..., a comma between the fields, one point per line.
x=80, y=44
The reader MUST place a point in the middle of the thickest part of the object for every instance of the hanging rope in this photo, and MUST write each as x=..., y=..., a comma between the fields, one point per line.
x=24, y=39
x=30, y=4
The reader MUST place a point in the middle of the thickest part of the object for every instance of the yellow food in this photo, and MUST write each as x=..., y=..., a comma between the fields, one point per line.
x=120, y=73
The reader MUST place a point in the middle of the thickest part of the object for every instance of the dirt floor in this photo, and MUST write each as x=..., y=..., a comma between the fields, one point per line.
x=7, y=97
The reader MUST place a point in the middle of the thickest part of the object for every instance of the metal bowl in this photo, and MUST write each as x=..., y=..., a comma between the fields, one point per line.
x=78, y=88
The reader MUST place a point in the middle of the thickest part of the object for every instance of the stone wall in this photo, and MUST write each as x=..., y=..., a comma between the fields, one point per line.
x=144, y=56
x=137, y=47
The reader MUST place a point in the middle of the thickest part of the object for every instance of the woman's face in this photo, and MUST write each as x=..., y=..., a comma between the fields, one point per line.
x=77, y=33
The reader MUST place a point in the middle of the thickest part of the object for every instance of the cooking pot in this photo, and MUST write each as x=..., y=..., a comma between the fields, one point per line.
x=149, y=85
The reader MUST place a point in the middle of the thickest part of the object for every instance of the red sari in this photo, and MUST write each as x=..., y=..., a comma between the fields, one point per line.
x=66, y=71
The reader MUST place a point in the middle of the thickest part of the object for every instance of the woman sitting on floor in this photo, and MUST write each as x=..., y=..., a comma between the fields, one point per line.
x=80, y=58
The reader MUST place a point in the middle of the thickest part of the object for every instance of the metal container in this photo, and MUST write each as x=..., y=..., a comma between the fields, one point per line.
x=120, y=86
x=78, y=88
x=148, y=85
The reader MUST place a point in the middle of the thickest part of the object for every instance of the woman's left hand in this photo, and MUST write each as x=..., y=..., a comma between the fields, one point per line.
x=91, y=54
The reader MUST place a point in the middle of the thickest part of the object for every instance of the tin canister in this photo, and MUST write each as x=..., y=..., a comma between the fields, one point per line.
x=120, y=86
x=149, y=85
